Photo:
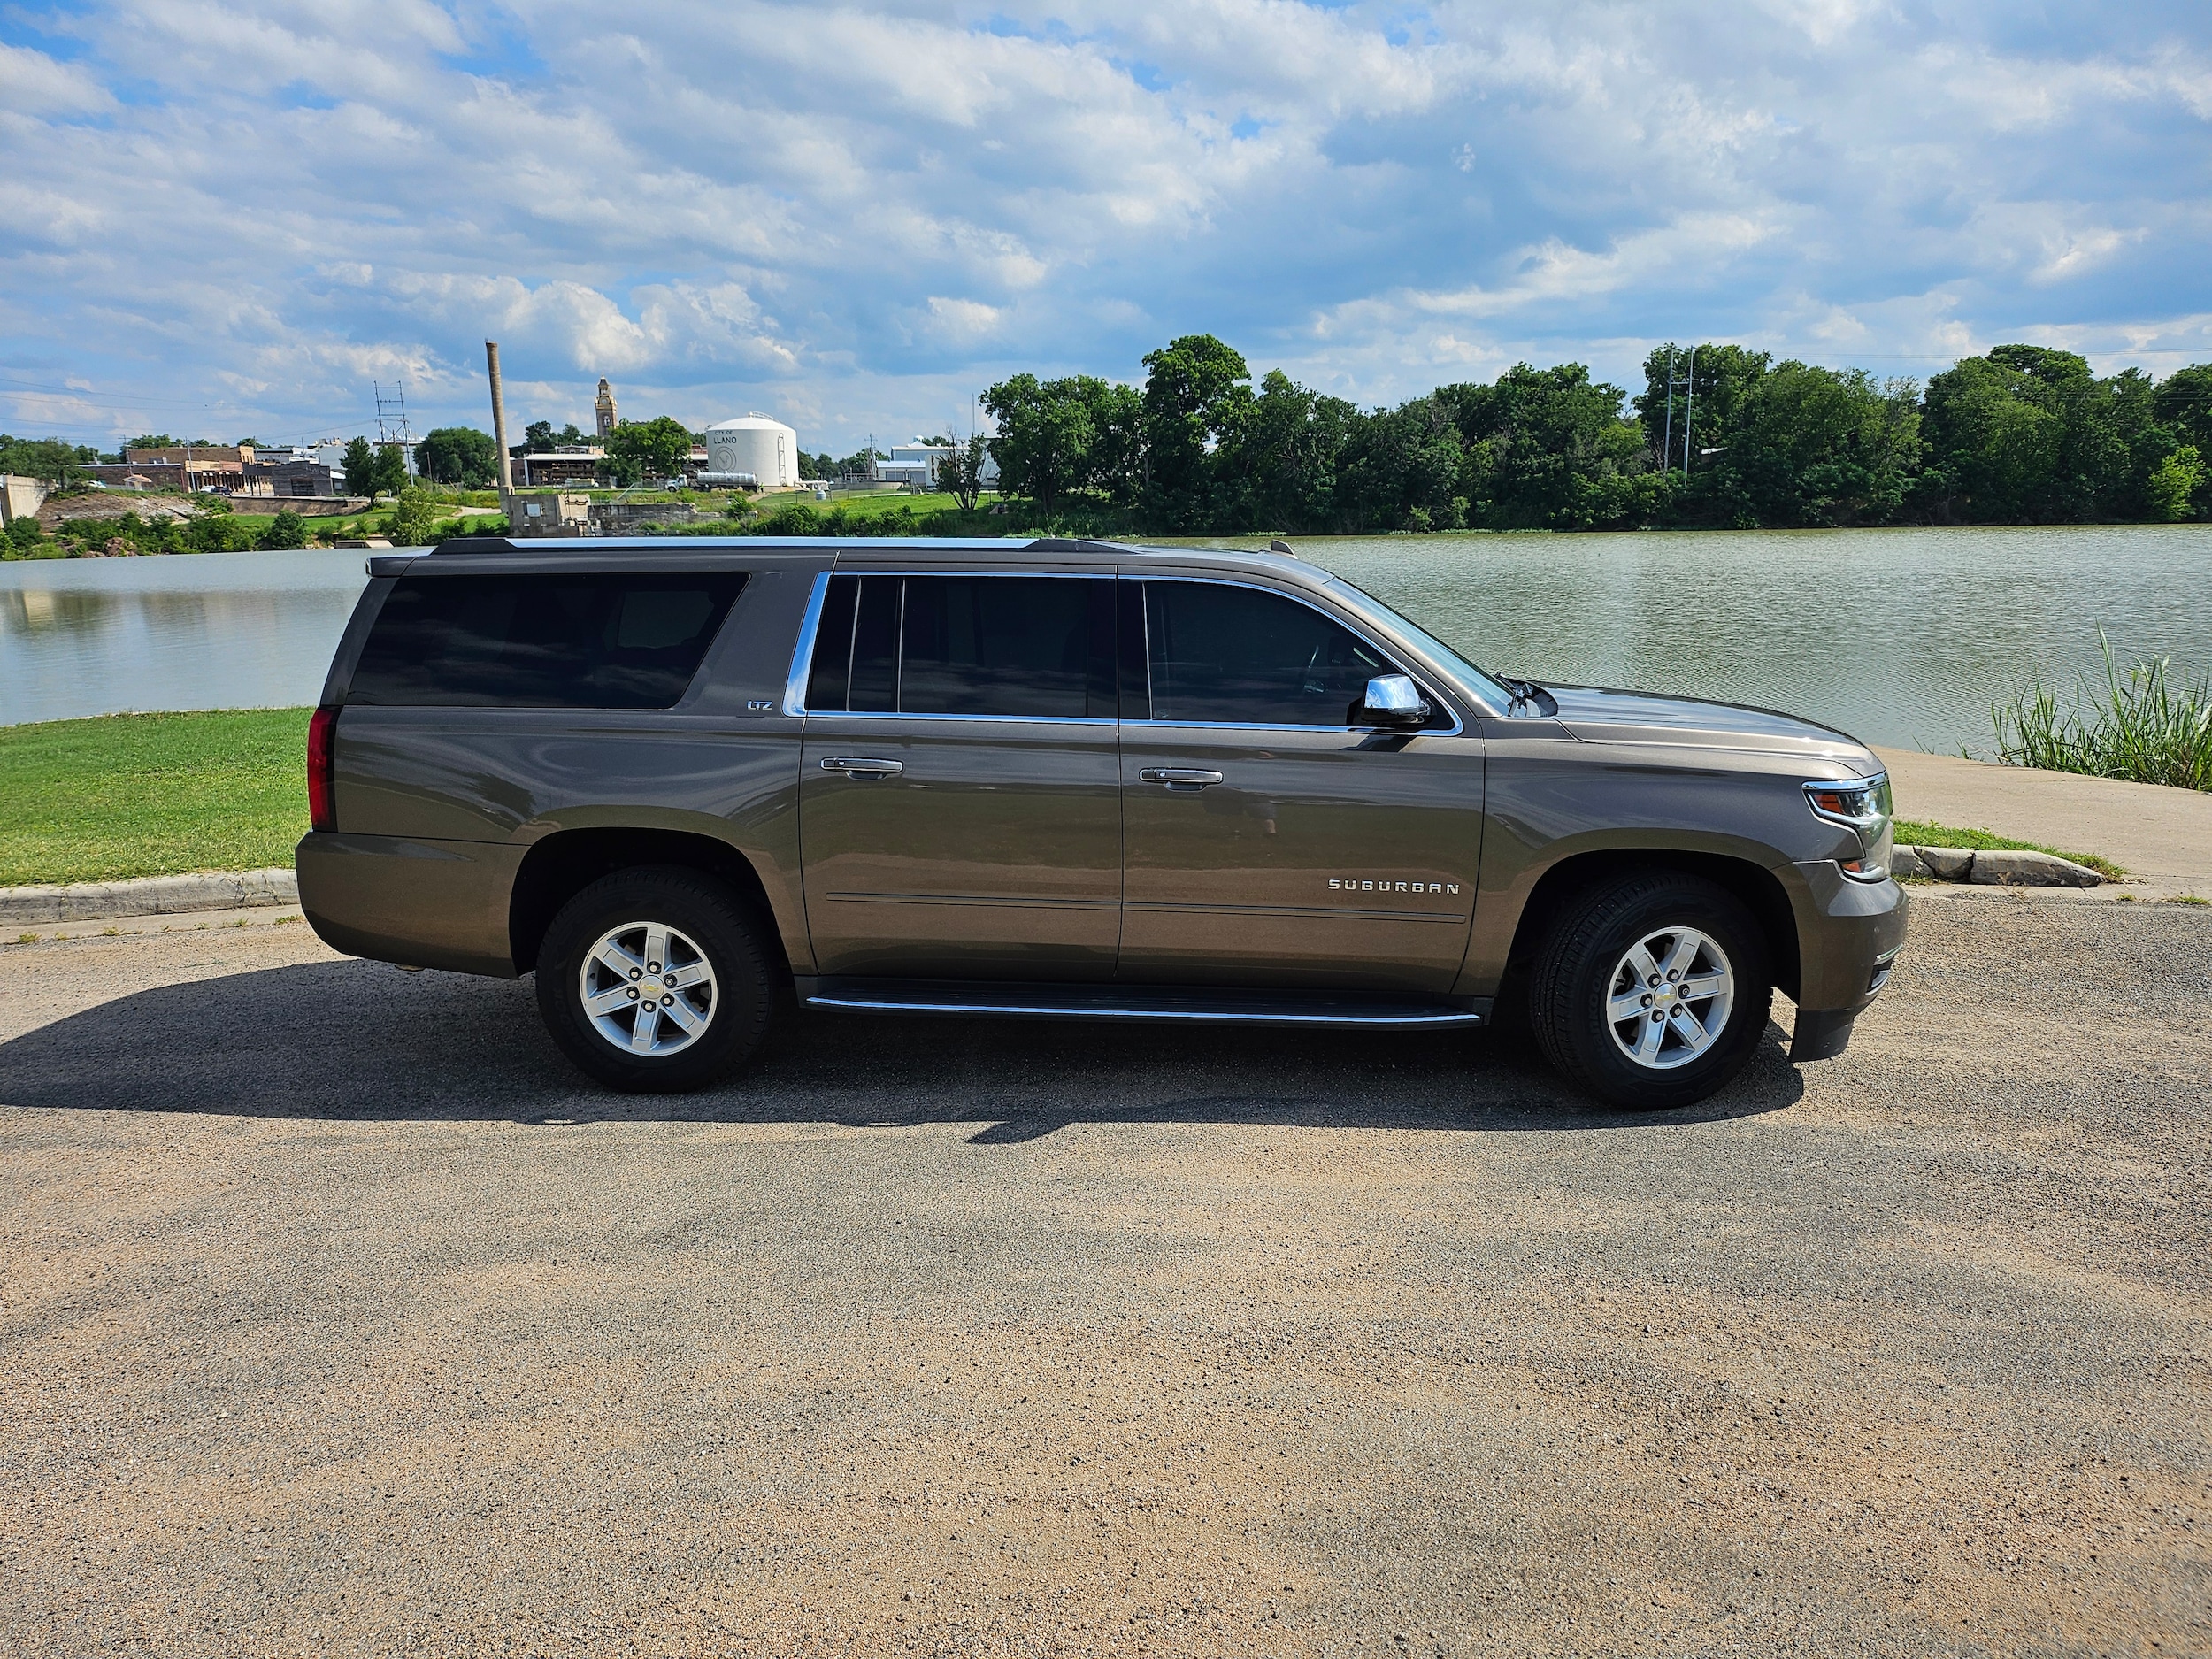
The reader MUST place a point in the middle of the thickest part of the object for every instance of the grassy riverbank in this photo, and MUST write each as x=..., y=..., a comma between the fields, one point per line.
x=151, y=794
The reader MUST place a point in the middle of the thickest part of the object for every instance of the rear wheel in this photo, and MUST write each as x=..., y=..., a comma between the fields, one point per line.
x=653, y=981
x=1652, y=991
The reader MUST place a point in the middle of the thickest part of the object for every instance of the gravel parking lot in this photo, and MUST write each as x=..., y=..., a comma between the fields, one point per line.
x=336, y=1317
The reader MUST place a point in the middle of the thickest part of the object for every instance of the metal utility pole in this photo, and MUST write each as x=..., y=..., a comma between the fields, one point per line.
x=1666, y=448
x=499, y=423
x=392, y=429
x=1689, y=410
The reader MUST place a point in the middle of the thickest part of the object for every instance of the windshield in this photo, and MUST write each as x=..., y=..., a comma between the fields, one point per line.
x=1447, y=658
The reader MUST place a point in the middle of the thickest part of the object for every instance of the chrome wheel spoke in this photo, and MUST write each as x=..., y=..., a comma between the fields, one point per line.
x=1648, y=1041
x=683, y=1013
x=1684, y=953
x=649, y=1023
x=1629, y=1005
x=1694, y=1036
x=1698, y=987
x=655, y=948
x=617, y=961
x=690, y=974
x=1645, y=969
x=612, y=1000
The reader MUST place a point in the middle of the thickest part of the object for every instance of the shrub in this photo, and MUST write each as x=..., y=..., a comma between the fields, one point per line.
x=287, y=529
x=2148, y=729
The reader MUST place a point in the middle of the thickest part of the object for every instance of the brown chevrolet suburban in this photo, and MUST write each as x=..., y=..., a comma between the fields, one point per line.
x=1068, y=779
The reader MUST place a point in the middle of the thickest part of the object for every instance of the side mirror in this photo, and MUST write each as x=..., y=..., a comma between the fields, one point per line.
x=1394, y=700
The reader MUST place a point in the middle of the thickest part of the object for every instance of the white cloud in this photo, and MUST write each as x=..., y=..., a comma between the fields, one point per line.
x=847, y=213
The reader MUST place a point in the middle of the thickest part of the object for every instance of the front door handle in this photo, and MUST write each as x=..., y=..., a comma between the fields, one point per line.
x=861, y=767
x=1178, y=777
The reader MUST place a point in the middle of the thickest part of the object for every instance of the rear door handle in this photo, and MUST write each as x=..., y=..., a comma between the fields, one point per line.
x=1178, y=777
x=861, y=767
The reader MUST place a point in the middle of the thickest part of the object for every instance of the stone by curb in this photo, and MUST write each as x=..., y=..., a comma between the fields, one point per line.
x=1992, y=868
x=151, y=895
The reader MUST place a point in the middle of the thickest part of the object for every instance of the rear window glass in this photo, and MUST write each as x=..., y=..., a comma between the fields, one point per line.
x=599, y=641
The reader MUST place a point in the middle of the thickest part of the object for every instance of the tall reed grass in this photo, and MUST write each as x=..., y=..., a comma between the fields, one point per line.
x=2150, y=728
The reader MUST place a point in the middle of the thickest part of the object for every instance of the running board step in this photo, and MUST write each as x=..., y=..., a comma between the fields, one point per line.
x=1192, y=1004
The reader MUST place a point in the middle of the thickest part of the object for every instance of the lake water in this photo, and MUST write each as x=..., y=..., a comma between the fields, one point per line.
x=1901, y=636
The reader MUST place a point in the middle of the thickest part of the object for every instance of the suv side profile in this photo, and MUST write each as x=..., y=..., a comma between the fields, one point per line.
x=1063, y=779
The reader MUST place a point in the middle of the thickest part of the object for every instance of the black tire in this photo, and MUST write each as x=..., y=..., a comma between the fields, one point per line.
x=733, y=1008
x=1573, y=978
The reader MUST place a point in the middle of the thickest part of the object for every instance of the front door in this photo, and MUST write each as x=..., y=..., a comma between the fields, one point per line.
x=1270, y=840
x=959, y=807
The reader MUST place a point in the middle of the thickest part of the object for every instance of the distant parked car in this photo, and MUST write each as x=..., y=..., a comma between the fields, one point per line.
x=1063, y=779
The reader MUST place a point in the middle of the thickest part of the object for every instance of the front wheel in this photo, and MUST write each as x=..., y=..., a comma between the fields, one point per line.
x=1652, y=991
x=653, y=981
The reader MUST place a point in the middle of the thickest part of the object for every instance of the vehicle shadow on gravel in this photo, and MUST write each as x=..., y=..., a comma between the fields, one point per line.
x=361, y=1042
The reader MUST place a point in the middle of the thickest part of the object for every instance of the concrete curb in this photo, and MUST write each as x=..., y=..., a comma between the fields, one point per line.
x=1991, y=869
x=151, y=895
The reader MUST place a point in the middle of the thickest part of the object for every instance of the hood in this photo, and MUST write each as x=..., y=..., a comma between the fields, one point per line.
x=1599, y=715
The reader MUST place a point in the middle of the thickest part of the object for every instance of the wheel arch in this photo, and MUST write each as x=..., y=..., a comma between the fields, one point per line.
x=561, y=865
x=1759, y=888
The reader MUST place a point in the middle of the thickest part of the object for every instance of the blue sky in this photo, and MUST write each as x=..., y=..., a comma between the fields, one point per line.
x=233, y=218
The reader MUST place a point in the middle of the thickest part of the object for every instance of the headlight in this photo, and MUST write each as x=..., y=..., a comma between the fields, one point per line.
x=1862, y=806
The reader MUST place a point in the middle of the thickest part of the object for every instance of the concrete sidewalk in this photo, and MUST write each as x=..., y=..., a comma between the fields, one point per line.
x=2161, y=837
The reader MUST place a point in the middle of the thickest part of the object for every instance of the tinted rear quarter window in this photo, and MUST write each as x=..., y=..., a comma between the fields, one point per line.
x=1003, y=647
x=616, y=639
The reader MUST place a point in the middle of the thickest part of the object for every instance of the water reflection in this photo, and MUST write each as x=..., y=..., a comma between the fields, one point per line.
x=236, y=630
x=1901, y=637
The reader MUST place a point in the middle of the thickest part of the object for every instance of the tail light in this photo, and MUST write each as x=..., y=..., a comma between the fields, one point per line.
x=322, y=807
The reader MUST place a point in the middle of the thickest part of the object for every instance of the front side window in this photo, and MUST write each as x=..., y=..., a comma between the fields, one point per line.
x=610, y=640
x=1002, y=647
x=1222, y=654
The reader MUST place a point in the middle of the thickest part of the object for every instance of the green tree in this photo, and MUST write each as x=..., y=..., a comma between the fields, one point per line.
x=151, y=441
x=2028, y=435
x=361, y=467
x=657, y=447
x=1401, y=469
x=458, y=454
x=287, y=529
x=1811, y=447
x=1197, y=395
x=2174, y=482
x=414, y=518
x=1279, y=470
x=961, y=471
x=1549, y=449
x=55, y=460
x=1058, y=438
x=538, y=435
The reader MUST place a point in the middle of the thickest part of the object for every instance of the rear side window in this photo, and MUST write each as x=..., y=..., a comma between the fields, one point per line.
x=1008, y=646
x=599, y=641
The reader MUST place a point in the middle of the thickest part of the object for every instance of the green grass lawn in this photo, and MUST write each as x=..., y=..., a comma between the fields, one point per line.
x=151, y=794
x=1920, y=833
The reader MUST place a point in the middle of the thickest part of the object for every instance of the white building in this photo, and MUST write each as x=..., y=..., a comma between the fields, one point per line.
x=918, y=465
x=752, y=449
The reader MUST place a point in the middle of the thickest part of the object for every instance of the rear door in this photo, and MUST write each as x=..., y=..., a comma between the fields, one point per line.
x=959, y=799
x=1270, y=839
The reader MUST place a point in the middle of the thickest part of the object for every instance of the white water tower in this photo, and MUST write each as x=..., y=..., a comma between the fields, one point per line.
x=752, y=449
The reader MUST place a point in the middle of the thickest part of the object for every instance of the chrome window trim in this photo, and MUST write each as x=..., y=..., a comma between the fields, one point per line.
x=810, y=627
x=802, y=652
x=992, y=719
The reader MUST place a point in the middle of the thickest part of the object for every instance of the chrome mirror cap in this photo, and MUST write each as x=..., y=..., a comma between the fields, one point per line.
x=1394, y=700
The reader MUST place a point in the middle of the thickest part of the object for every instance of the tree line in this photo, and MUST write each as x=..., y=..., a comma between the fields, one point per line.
x=1718, y=436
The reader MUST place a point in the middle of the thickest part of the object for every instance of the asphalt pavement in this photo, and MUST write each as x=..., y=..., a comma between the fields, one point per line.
x=338, y=1316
